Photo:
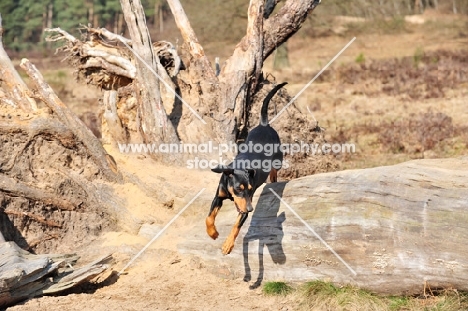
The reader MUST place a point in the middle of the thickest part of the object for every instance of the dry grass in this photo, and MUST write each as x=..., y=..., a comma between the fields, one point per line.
x=394, y=109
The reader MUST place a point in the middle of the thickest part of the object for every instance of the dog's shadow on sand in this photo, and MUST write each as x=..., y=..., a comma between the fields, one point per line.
x=266, y=226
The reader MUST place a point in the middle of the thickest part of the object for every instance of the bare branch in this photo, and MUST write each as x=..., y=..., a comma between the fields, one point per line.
x=103, y=32
x=125, y=64
x=62, y=35
x=190, y=38
x=186, y=30
x=280, y=27
x=153, y=121
x=16, y=188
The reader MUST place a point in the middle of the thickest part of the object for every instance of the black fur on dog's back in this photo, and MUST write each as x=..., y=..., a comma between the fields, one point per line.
x=262, y=134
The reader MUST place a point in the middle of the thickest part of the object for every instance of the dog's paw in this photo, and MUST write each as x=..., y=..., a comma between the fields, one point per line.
x=212, y=232
x=227, y=246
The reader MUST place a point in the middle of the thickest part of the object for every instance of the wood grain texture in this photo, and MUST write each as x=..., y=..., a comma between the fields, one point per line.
x=72, y=122
x=24, y=275
x=398, y=227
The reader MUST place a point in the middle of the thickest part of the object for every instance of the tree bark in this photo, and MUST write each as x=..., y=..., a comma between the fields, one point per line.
x=72, y=122
x=25, y=276
x=241, y=73
x=283, y=25
x=154, y=124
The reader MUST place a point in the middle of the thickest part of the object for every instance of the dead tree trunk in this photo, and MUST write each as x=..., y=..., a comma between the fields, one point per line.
x=154, y=124
x=24, y=275
x=241, y=75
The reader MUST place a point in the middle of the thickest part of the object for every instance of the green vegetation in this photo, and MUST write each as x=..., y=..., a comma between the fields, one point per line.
x=327, y=296
x=276, y=288
x=320, y=295
x=360, y=58
x=24, y=20
x=213, y=21
x=398, y=303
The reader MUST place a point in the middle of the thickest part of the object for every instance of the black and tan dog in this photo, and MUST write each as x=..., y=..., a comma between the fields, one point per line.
x=260, y=156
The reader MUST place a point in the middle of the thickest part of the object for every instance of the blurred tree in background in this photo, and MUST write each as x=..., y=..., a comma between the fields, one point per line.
x=214, y=21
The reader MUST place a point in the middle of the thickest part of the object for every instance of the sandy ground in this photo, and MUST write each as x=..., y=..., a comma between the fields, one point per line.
x=161, y=278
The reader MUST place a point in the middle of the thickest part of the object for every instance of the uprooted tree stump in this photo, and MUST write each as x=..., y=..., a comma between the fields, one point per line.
x=205, y=106
x=51, y=166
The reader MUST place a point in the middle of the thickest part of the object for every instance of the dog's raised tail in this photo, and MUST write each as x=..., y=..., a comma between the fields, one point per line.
x=266, y=101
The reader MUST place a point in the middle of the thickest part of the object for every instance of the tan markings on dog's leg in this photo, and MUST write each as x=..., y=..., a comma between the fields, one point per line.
x=229, y=243
x=241, y=203
x=210, y=224
x=210, y=220
x=273, y=175
x=222, y=193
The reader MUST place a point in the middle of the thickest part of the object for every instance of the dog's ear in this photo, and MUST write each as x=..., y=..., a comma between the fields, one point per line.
x=251, y=172
x=223, y=169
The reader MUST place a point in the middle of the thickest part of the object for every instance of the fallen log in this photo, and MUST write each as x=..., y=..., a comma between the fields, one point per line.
x=398, y=229
x=24, y=275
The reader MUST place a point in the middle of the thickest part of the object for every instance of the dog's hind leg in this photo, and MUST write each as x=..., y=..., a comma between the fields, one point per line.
x=229, y=243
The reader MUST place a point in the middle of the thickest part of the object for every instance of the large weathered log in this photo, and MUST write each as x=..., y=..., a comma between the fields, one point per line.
x=398, y=228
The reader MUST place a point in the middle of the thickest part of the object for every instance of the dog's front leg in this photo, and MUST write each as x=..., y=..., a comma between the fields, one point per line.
x=231, y=239
x=210, y=220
